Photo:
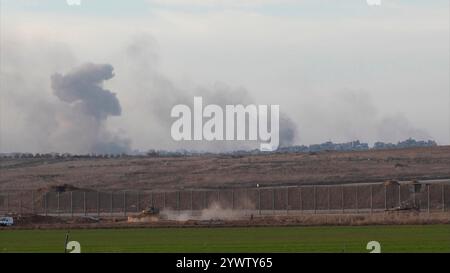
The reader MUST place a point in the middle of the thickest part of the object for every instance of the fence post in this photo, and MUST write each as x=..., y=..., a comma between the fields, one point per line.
x=45, y=204
x=232, y=199
x=301, y=199
x=204, y=200
x=178, y=200
x=259, y=201
x=124, y=203
x=428, y=198
x=328, y=199
x=443, y=197
x=315, y=201
x=357, y=205
x=246, y=199
x=371, y=198
x=399, y=196
x=385, y=198
x=20, y=203
x=342, y=197
x=84, y=203
x=273, y=200
x=138, y=204
x=111, y=204
x=192, y=202
x=164, y=200
x=287, y=201
x=98, y=204
x=71, y=204
x=7, y=202
x=32, y=202
x=58, y=202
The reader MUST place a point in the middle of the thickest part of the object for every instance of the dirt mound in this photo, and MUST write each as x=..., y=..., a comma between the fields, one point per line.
x=83, y=220
x=391, y=183
x=31, y=219
x=62, y=188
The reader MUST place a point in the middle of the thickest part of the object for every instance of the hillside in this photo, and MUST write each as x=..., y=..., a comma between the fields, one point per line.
x=220, y=171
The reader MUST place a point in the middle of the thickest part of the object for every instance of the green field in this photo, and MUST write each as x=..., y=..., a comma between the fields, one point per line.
x=433, y=238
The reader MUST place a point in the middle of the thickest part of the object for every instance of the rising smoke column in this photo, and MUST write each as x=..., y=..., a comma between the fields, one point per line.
x=90, y=105
x=162, y=93
x=83, y=86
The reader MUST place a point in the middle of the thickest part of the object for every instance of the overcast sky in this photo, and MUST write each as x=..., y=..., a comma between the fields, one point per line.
x=340, y=70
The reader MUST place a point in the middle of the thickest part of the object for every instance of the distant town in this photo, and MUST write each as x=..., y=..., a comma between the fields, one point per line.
x=327, y=146
x=356, y=146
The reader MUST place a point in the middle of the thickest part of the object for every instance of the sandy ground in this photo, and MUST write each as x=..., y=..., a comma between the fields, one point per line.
x=30, y=221
x=226, y=171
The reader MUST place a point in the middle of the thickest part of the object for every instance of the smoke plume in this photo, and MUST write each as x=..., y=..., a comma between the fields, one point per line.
x=162, y=93
x=83, y=88
x=90, y=105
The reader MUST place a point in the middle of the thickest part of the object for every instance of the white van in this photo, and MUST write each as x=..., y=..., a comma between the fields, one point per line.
x=6, y=221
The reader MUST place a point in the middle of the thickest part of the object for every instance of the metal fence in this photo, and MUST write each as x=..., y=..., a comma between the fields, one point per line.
x=362, y=198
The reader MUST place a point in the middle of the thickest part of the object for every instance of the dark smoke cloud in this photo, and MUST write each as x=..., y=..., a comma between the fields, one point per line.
x=83, y=86
x=90, y=107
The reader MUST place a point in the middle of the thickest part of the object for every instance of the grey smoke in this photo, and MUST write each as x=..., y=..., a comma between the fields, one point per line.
x=80, y=115
x=398, y=127
x=352, y=114
x=288, y=131
x=162, y=93
x=83, y=87
x=90, y=105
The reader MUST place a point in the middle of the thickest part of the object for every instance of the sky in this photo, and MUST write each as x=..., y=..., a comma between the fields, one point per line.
x=340, y=70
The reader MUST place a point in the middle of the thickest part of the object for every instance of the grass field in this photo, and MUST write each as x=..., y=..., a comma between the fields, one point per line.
x=432, y=238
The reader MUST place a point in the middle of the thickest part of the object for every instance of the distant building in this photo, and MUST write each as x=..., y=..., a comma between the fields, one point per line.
x=409, y=143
